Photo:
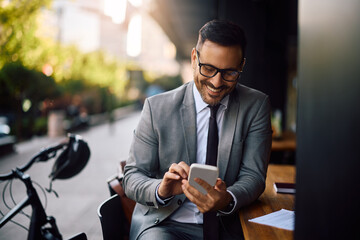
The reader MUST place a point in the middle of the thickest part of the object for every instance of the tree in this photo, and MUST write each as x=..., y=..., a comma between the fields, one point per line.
x=20, y=85
x=17, y=27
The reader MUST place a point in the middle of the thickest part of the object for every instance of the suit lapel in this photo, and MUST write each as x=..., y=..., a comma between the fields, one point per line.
x=227, y=134
x=188, y=119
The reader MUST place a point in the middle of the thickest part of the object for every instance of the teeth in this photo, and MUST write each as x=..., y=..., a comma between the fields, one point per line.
x=213, y=89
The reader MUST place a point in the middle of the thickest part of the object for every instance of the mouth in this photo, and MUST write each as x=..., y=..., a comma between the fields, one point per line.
x=214, y=90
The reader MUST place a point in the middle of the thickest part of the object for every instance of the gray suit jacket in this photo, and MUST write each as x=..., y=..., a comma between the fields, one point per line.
x=166, y=134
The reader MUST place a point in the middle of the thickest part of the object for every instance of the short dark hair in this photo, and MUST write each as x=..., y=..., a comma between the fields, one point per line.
x=224, y=33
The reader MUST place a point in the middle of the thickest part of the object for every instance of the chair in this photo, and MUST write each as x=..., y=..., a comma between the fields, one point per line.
x=80, y=236
x=115, y=212
x=113, y=222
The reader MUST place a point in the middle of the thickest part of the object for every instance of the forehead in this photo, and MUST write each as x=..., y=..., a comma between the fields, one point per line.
x=220, y=56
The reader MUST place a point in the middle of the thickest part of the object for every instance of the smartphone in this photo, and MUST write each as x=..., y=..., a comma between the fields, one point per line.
x=207, y=173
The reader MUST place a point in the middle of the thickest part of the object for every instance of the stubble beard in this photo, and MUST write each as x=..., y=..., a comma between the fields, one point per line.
x=203, y=90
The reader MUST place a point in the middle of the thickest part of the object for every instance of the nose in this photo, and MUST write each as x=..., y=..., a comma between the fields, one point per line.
x=217, y=80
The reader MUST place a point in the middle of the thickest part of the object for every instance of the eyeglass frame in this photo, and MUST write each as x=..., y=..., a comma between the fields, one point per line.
x=217, y=69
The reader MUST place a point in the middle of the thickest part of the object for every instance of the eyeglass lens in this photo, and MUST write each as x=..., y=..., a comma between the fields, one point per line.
x=210, y=71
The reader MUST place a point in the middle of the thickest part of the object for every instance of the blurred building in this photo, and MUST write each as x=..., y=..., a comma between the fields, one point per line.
x=122, y=28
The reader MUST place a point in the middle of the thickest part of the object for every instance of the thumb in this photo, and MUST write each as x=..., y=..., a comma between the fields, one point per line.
x=220, y=184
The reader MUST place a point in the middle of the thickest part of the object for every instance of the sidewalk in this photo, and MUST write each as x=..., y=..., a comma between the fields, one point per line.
x=76, y=208
x=117, y=114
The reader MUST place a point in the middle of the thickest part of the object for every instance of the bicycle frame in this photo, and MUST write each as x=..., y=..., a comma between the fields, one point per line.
x=39, y=219
x=42, y=227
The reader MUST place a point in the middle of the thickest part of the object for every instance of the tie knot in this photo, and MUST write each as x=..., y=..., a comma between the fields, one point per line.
x=213, y=110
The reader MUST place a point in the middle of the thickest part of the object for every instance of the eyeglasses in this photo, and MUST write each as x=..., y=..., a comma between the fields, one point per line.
x=207, y=70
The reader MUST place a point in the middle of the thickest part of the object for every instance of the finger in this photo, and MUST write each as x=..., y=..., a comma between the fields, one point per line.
x=185, y=167
x=176, y=168
x=195, y=196
x=220, y=185
x=192, y=193
x=172, y=176
x=192, y=190
x=203, y=202
x=204, y=184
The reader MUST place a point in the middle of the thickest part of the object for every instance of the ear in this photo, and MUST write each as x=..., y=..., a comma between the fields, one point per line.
x=243, y=64
x=193, y=59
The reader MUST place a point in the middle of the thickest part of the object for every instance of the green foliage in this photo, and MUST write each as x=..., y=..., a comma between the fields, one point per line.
x=19, y=43
x=168, y=82
x=19, y=83
x=98, y=80
x=18, y=26
x=94, y=77
x=40, y=126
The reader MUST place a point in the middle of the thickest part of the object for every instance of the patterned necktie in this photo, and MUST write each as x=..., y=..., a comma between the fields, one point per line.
x=211, y=223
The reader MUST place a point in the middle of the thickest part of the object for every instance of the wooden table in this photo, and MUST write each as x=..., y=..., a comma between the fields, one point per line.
x=286, y=143
x=269, y=202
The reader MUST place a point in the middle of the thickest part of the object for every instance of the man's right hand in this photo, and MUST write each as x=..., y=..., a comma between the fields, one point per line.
x=171, y=183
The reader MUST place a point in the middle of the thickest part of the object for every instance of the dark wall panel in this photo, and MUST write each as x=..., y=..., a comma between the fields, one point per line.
x=328, y=127
x=270, y=27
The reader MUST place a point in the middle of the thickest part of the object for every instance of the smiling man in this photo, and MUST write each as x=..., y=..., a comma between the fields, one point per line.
x=212, y=120
x=214, y=87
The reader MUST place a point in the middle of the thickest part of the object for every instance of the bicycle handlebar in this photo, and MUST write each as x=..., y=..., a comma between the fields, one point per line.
x=74, y=156
x=42, y=156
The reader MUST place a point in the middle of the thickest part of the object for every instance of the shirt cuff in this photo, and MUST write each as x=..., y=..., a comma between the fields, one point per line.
x=162, y=202
x=234, y=202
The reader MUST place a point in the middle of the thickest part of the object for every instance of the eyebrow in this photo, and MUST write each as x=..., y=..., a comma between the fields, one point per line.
x=231, y=69
x=225, y=69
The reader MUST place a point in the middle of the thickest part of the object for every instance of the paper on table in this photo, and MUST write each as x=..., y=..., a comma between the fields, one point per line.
x=281, y=219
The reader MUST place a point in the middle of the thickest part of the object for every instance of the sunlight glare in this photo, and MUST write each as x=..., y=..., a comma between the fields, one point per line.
x=136, y=3
x=133, y=47
x=116, y=9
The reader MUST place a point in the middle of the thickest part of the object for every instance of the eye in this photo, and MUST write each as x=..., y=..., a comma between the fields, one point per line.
x=231, y=73
x=208, y=69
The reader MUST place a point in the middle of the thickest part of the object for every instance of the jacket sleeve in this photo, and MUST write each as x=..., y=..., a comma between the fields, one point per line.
x=250, y=182
x=140, y=180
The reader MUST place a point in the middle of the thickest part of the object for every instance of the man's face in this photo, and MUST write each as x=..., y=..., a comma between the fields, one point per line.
x=213, y=90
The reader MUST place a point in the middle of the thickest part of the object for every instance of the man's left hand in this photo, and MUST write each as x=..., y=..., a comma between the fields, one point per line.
x=217, y=198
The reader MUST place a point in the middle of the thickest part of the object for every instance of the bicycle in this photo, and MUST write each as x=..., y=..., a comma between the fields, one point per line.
x=73, y=158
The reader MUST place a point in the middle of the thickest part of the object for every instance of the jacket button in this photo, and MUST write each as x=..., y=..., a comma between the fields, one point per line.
x=179, y=202
x=157, y=221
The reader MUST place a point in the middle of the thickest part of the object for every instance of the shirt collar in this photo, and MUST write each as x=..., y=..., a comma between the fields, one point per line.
x=200, y=104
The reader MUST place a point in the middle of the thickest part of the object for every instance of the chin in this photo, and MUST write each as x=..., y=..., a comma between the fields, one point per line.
x=211, y=101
